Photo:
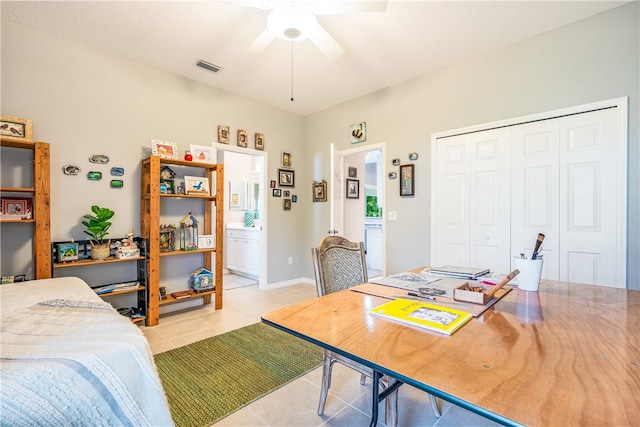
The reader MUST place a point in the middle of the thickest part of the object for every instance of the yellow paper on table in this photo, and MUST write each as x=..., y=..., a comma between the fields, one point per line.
x=424, y=315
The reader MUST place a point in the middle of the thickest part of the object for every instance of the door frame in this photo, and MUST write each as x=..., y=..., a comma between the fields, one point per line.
x=337, y=178
x=263, y=156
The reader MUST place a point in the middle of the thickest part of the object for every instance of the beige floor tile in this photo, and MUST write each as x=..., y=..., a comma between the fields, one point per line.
x=244, y=417
x=296, y=403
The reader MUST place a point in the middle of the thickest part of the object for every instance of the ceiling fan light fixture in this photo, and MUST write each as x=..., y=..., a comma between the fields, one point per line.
x=291, y=23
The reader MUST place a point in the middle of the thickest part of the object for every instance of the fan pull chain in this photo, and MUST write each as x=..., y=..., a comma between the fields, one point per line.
x=292, y=71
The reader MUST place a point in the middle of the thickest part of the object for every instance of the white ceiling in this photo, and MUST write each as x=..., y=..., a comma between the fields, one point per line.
x=384, y=48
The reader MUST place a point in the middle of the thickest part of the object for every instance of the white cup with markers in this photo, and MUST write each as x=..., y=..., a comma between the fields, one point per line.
x=530, y=272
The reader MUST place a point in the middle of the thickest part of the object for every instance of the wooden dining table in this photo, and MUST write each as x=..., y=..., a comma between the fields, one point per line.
x=567, y=355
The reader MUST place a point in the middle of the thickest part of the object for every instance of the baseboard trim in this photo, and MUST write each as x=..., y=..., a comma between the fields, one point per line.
x=301, y=280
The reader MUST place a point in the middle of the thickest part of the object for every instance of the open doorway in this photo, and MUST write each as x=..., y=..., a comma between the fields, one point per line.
x=357, y=201
x=244, y=254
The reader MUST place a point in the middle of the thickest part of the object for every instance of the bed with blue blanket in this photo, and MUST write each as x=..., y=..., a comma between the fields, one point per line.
x=68, y=358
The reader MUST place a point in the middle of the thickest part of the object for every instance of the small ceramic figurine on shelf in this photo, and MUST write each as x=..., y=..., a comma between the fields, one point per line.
x=128, y=242
x=187, y=156
x=127, y=248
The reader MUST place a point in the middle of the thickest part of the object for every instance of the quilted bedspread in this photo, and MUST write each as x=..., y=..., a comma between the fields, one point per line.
x=75, y=361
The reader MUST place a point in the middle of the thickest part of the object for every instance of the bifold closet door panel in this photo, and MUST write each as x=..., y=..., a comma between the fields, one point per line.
x=590, y=248
x=489, y=201
x=451, y=202
x=535, y=191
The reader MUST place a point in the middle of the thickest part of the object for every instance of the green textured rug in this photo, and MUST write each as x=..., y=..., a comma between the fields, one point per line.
x=209, y=379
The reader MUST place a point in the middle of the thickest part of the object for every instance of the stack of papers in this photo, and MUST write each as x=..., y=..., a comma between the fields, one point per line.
x=107, y=289
x=421, y=283
x=471, y=273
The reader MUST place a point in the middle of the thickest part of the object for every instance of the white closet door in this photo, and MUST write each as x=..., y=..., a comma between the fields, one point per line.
x=473, y=201
x=489, y=202
x=534, y=192
x=564, y=177
x=451, y=207
x=589, y=208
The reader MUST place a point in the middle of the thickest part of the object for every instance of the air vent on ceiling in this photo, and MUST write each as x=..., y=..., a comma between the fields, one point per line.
x=208, y=66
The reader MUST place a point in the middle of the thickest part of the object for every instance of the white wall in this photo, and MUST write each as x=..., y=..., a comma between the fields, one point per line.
x=591, y=60
x=86, y=102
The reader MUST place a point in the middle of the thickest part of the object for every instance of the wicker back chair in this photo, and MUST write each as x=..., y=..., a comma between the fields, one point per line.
x=338, y=264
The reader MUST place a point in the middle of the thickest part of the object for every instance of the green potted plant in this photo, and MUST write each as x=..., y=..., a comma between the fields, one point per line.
x=98, y=228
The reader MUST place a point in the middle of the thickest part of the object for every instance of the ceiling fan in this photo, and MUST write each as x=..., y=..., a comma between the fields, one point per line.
x=295, y=20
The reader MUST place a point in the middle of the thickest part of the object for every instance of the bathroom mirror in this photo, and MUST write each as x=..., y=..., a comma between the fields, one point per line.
x=237, y=195
x=255, y=191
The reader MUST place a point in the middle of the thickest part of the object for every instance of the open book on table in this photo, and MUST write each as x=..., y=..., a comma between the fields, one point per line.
x=422, y=283
x=424, y=315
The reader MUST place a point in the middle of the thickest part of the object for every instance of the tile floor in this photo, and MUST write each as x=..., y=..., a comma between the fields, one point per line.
x=295, y=404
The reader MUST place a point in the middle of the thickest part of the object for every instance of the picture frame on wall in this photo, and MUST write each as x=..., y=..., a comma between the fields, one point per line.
x=259, y=141
x=202, y=153
x=196, y=185
x=353, y=172
x=277, y=192
x=286, y=178
x=287, y=204
x=242, y=138
x=407, y=180
x=286, y=159
x=165, y=149
x=15, y=129
x=320, y=191
x=223, y=134
x=358, y=132
x=353, y=189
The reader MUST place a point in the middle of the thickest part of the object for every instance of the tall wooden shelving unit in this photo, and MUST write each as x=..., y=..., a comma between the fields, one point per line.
x=41, y=198
x=150, y=228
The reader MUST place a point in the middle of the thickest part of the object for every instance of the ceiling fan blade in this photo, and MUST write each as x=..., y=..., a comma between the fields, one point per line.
x=335, y=7
x=325, y=42
x=261, y=42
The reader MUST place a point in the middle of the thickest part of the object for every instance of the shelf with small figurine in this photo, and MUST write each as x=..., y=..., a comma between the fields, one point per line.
x=78, y=253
